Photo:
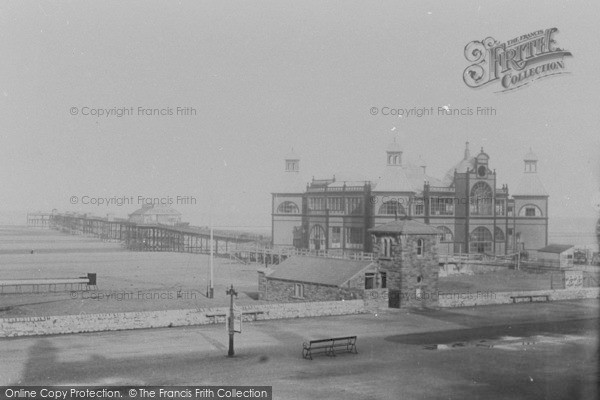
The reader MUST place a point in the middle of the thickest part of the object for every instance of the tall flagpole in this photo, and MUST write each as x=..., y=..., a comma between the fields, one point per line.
x=211, y=290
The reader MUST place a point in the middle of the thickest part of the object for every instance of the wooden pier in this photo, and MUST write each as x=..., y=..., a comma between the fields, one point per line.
x=152, y=237
x=241, y=247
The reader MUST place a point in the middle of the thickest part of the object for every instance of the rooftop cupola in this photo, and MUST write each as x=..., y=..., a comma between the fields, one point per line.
x=394, y=154
x=530, y=183
x=530, y=161
x=292, y=162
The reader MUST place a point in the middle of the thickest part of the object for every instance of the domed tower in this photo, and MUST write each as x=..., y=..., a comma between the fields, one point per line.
x=531, y=206
x=467, y=163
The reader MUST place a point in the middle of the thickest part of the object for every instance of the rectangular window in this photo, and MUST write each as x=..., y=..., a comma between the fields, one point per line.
x=336, y=236
x=510, y=211
x=509, y=231
x=354, y=235
x=383, y=277
x=335, y=204
x=420, y=245
x=419, y=207
x=500, y=207
x=299, y=290
x=442, y=206
x=530, y=212
x=369, y=281
x=480, y=247
x=354, y=205
x=316, y=203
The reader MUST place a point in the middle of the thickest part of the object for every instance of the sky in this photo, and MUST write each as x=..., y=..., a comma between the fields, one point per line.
x=266, y=76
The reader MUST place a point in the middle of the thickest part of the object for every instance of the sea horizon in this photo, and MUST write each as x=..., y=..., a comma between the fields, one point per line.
x=575, y=230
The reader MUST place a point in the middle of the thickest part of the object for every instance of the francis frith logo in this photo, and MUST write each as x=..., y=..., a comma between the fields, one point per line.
x=515, y=63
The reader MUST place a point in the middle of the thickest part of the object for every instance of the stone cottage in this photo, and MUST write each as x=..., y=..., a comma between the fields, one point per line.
x=319, y=279
x=406, y=253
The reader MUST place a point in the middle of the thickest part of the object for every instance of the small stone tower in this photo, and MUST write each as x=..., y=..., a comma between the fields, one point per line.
x=406, y=251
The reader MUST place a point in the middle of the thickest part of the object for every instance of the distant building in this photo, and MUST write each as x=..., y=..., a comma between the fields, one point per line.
x=467, y=206
x=556, y=255
x=39, y=219
x=318, y=279
x=155, y=214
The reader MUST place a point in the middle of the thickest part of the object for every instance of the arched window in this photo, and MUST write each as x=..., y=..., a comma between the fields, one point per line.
x=530, y=210
x=420, y=247
x=499, y=235
x=481, y=199
x=447, y=235
x=480, y=240
x=392, y=207
x=288, y=207
x=386, y=247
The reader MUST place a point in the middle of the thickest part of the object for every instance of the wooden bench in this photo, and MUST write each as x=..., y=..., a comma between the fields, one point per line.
x=328, y=346
x=254, y=314
x=531, y=298
x=214, y=317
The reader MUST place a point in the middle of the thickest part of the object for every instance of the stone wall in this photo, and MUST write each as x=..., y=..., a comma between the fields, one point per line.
x=376, y=299
x=470, y=299
x=405, y=267
x=11, y=327
x=280, y=290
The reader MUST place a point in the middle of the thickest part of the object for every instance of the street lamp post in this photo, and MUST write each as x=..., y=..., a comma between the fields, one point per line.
x=231, y=293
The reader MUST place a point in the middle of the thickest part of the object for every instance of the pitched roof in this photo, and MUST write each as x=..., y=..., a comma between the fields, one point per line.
x=406, y=227
x=395, y=179
x=394, y=147
x=556, y=248
x=290, y=183
x=417, y=176
x=292, y=155
x=530, y=185
x=325, y=271
x=531, y=156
